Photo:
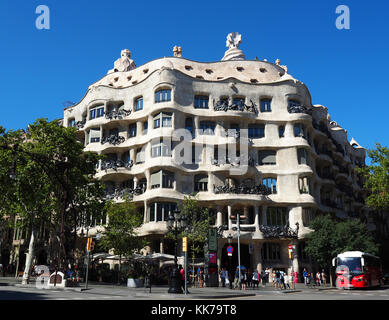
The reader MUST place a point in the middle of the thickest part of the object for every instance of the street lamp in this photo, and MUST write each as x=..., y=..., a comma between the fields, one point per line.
x=176, y=223
x=230, y=270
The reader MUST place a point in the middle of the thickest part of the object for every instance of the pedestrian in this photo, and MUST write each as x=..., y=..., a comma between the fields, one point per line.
x=243, y=279
x=278, y=279
x=318, y=279
x=236, y=278
x=255, y=279
x=201, y=278
x=249, y=278
x=223, y=277
x=323, y=277
x=230, y=278
x=286, y=280
x=305, y=275
x=282, y=280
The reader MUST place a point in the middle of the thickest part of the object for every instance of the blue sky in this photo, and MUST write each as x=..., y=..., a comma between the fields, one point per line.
x=345, y=70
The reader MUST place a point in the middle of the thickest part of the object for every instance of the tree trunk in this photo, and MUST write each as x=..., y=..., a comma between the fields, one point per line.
x=29, y=258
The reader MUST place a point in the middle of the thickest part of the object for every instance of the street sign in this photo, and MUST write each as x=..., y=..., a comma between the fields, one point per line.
x=212, y=240
x=185, y=244
x=230, y=250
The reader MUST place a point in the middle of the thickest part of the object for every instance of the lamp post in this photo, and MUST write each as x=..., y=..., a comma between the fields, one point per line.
x=176, y=223
x=238, y=218
x=230, y=271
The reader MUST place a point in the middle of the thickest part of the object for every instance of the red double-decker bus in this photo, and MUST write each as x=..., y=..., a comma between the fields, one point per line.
x=356, y=269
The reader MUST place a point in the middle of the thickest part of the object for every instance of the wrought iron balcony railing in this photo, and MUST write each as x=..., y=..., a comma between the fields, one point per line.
x=80, y=124
x=114, y=139
x=242, y=189
x=222, y=105
x=117, y=114
x=299, y=109
x=119, y=193
x=276, y=232
x=115, y=164
x=234, y=161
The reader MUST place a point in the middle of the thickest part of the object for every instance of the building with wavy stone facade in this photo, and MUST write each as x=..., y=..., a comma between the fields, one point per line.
x=297, y=162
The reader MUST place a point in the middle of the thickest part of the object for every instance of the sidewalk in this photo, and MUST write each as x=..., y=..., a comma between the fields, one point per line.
x=161, y=292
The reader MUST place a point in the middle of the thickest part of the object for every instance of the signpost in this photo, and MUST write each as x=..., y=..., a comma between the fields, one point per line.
x=185, y=250
x=230, y=250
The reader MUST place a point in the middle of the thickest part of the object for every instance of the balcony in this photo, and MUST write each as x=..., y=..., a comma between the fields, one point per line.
x=222, y=105
x=242, y=189
x=234, y=161
x=117, y=114
x=115, y=164
x=119, y=193
x=277, y=232
x=113, y=139
x=299, y=109
x=80, y=124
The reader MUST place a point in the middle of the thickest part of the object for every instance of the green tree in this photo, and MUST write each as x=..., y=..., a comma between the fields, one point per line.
x=331, y=237
x=377, y=178
x=120, y=234
x=48, y=178
x=198, y=224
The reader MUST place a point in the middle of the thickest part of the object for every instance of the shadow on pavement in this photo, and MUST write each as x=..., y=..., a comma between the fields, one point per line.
x=15, y=295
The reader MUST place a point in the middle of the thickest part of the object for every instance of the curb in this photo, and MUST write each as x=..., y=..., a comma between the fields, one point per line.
x=78, y=289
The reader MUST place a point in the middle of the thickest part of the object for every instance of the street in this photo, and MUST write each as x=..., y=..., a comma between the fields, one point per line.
x=9, y=291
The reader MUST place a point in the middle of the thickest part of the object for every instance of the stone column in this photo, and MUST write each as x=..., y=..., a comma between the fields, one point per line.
x=256, y=218
x=135, y=182
x=246, y=214
x=219, y=217
x=257, y=258
x=145, y=212
x=148, y=178
x=196, y=125
x=289, y=130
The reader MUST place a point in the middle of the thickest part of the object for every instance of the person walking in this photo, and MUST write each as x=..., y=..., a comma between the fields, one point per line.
x=318, y=279
x=249, y=278
x=305, y=275
x=277, y=279
x=282, y=280
x=236, y=278
x=223, y=277
x=243, y=279
x=286, y=281
x=323, y=277
x=255, y=279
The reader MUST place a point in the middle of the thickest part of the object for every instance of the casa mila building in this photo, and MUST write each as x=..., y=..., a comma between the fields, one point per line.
x=257, y=147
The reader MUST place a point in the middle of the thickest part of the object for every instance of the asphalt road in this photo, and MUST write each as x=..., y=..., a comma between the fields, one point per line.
x=11, y=292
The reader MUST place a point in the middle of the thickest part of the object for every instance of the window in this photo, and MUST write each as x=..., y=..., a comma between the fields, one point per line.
x=281, y=131
x=302, y=156
x=201, y=182
x=96, y=112
x=207, y=128
x=308, y=216
x=201, y=102
x=162, y=95
x=164, y=119
x=267, y=157
x=277, y=216
x=139, y=104
x=189, y=125
x=239, y=101
x=304, y=185
x=162, y=178
x=94, y=135
x=256, y=131
x=160, y=211
x=140, y=156
x=132, y=130
x=145, y=127
x=299, y=130
x=161, y=149
x=293, y=104
x=271, y=183
x=71, y=123
x=271, y=251
x=266, y=105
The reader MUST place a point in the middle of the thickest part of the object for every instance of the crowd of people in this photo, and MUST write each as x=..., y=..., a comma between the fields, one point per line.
x=279, y=279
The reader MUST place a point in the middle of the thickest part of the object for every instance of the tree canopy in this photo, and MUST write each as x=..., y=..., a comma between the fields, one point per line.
x=331, y=237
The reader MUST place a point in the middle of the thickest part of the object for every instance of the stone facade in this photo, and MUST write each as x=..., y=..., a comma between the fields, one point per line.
x=295, y=150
